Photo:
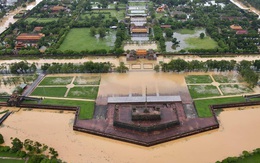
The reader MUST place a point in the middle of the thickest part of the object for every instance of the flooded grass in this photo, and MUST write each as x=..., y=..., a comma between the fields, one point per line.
x=232, y=89
x=198, y=43
x=200, y=91
x=49, y=91
x=83, y=92
x=186, y=31
x=79, y=39
x=56, y=81
x=87, y=80
x=228, y=78
x=202, y=106
x=195, y=79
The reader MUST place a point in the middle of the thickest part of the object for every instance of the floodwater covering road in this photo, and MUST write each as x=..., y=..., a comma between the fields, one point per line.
x=5, y=21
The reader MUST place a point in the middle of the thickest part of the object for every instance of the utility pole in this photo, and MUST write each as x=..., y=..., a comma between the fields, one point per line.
x=145, y=97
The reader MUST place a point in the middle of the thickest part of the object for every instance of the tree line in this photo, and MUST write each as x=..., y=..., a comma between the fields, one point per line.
x=86, y=67
x=32, y=150
x=245, y=68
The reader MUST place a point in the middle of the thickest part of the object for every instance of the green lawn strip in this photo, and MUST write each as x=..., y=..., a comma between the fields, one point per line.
x=2, y=112
x=79, y=39
x=250, y=159
x=202, y=106
x=118, y=14
x=186, y=31
x=197, y=43
x=3, y=100
x=231, y=89
x=30, y=20
x=92, y=80
x=46, y=20
x=200, y=91
x=227, y=78
x=49, y=91
x=195, y=79
x=56, y=81
x=83, y=92
x=86, y=107
x=11, y=161
x=8, y=154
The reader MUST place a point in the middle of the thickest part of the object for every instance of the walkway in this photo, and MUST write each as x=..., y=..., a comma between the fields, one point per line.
x=30, y=88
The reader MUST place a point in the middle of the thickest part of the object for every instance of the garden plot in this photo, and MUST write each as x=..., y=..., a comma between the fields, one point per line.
x=56, y=81
x=231, y=89
x=201, y=91
x=197, y=79
x=83, y=92
x=49, y=91
x=228, y=78
x=87, y=80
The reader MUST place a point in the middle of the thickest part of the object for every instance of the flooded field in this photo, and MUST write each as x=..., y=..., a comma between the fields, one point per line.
x=182, y=38
x=55, y=130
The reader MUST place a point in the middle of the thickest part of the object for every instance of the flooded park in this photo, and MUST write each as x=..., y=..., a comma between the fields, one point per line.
x=55, y=128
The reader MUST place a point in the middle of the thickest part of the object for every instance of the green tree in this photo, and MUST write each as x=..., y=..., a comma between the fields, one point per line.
x=202, y=35
x=17, y=145
x=92, y=31
x=102, y=32
x=157, y=68
x=168, y=32
x=1, y=139
x=122, y=68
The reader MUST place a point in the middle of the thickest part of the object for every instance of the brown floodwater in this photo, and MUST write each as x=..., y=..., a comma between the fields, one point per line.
x=55, y=130
x=5, y=21
x=239, y=128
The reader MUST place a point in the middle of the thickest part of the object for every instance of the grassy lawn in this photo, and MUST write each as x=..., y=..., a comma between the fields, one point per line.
x=202, y=106
x=228, y=78
x=83, y=92
x=30, y=20
x=56, y=81
x=90, y=80
x=49, y=91
x=79, y=39
x=87, y=15
x=86, y=107
x=197, y=43
x=195, y=79
x=11, y=161
x=231, y=89
x=120, y=15
x=200, y=91
x=41, y=20
x=186, y=31
x=46, y=20
x=159, y=15
x=7, y=154
x=3, y=100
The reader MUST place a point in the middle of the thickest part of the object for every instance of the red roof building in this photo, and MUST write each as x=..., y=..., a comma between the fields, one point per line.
x=242, y=32
x=29, y=37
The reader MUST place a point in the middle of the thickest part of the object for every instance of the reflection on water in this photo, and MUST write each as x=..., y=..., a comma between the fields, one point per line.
x=182, y=38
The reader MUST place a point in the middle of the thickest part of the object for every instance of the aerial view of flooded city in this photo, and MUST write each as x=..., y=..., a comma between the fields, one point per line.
x=129, y=81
